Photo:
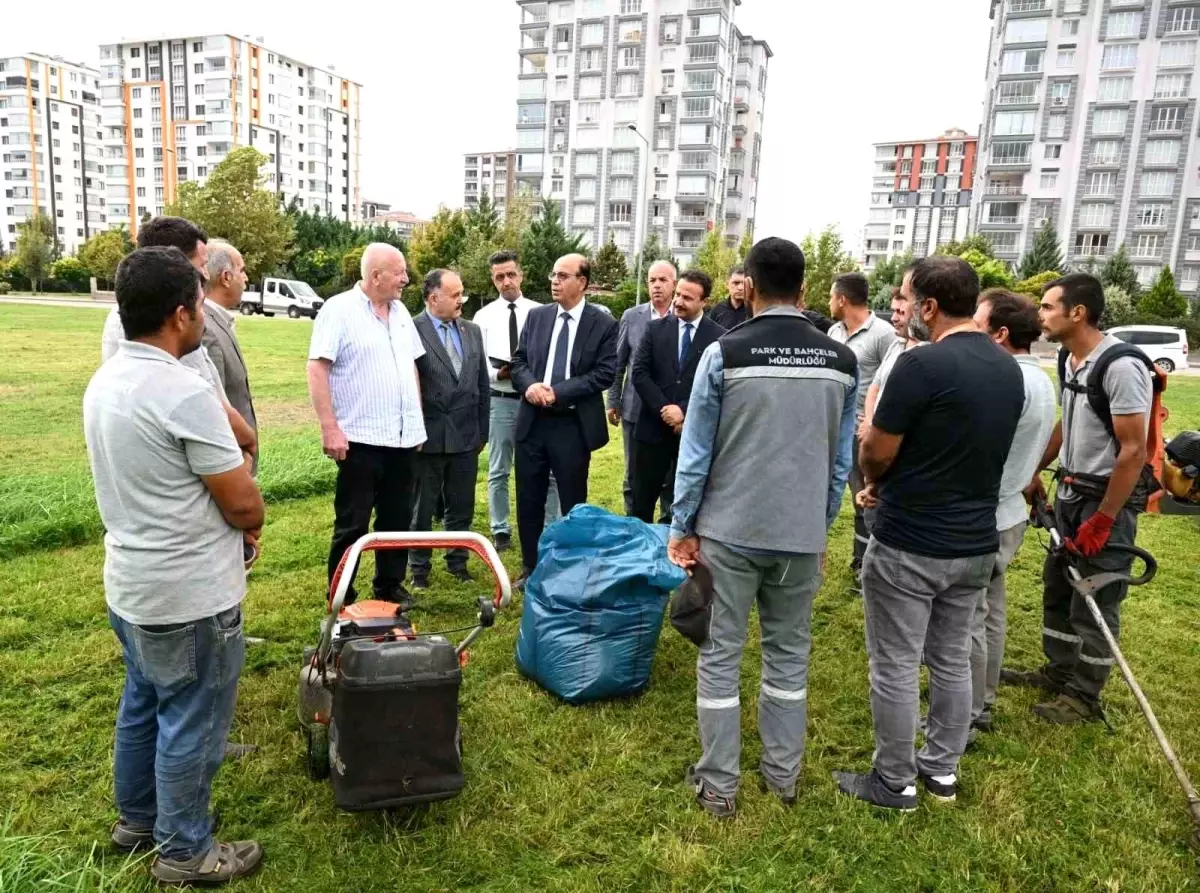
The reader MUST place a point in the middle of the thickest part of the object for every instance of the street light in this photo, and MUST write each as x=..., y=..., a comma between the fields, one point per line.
x=642, y=212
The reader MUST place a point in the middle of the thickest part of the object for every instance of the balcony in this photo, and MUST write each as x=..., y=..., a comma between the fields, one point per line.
x=691, y=221
x=733, y=209
x=741, y=103
x=737, y=162
x=1027, y=5
x=1006, y=220
x=535, y=15
x=1013, y=189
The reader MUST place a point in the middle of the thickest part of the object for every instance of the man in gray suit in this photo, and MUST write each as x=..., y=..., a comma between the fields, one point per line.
x=224, y=288
x=624, y=405
x=456, y=401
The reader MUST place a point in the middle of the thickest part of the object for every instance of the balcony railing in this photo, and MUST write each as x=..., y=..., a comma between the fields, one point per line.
x=1002, y=190
x=1026, y=5
x=1002, y=221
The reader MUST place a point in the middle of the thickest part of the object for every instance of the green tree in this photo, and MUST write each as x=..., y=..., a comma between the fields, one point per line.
x=103, y=251
x=825, y=259
x=439, y=243
x=887, y=275
x=351, y=263
x=716, y=259
x=609, y=268
x=1163, y=300
x=977, y=242
x=1118, y=271
x=1034, y=285
x=744, y=246
x=543, y=243
x=652, y=250
x=71, y=272
x=472, y=264
x=35, y=248
x=992, y=273
x=234, y=205
x=483, y=220
x=1045, y=253
x=1118, y=308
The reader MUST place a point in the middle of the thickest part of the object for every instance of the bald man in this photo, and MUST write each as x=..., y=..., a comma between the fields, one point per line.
x=624, y=404
x=365, y=388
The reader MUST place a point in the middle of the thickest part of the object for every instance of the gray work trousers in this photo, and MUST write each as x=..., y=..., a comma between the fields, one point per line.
x=783, y=588
x=864, y=519
x=990, y=626
x=918, y=605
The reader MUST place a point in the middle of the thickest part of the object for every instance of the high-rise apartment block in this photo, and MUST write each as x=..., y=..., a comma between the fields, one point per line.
x=173, y=108
x=920, y=196
x=1090, y=123
x=50, y=151
x=490, y=174
x=641, y=116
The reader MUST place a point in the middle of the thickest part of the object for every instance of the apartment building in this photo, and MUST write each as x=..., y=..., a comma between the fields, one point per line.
x=1090, y=123
x=490, y=174
x=403, y=223
x=50, y=153
x=173, y=108
x=920, y=196
x=641, y=116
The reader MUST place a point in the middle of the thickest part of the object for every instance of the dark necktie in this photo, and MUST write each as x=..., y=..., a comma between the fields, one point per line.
x=558, y=372
x=512, y=329
x=686, y=345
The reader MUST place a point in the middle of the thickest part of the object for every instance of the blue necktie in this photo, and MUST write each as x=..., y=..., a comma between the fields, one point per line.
x=558, y=372
x=687, y=344
x=448, y=342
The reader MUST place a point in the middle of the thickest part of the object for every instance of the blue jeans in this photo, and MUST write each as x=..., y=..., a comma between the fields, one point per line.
x=180, y=688
x=501, y=445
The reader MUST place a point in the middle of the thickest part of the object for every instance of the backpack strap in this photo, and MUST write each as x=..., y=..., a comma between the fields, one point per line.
x=1095, y=384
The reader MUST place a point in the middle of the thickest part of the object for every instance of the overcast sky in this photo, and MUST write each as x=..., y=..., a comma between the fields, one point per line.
x=439, y=81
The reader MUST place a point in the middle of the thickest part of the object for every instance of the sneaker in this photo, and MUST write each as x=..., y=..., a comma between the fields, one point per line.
x=223, y=863
x=710, y=801
x=128, y=839
x=1031, y=679
x=872, y=789
x=786, y=796
x=983, y=722
x=943, y=788
x=1066, y=710
x=462, y=575
x=502, y=542
x=420, y=581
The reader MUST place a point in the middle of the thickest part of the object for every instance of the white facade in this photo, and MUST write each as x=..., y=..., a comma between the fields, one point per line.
x=1090, y=123
x=50, y=156
x=490, y=174
x=679, y=72
x=173, y=108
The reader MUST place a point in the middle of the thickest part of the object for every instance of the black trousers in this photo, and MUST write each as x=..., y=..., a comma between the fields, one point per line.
x=1075, y=648
x=862, y=530
x=653, y=478
x=554, y=444
x=378, y=479
x=448, y=477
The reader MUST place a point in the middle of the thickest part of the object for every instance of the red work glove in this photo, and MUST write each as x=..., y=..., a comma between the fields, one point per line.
x=1092, y=535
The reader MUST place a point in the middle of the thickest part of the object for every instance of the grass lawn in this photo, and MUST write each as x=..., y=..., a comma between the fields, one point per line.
x=557, y=797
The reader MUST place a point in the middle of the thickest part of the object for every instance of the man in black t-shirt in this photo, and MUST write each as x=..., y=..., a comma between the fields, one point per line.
x=933, y=459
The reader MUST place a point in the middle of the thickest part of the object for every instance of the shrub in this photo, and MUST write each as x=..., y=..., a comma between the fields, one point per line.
x=1118, y=308
x=5, y=288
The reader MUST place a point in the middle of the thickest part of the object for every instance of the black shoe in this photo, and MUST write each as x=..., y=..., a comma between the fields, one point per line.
x=518, y=585
x=420, y=581
x=1032, y=679
x=462, y=575
x=872, y=789
x=502, y=542
x=940, y=787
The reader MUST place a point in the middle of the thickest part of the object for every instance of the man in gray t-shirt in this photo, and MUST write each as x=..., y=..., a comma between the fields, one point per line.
x=1092, y=517
x=178, y=504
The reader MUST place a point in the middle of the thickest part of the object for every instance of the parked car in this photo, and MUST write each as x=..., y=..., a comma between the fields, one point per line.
x=1167, y=347
x=290, y=296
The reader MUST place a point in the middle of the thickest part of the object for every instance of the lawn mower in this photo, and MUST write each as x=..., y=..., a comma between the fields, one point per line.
x=1087, y=587
x=378, y=700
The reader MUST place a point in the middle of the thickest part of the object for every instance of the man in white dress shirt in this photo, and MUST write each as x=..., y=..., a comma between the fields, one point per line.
x=364, y=386
x=502, y=321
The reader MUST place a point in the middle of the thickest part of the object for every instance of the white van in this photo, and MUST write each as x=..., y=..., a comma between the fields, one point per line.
x=290, y=296
x=1167, y=347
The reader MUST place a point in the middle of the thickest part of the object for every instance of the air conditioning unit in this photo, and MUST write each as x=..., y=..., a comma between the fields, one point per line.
x=560, y=122
x=558, y=147
x=1058, y=100
x=660, y=221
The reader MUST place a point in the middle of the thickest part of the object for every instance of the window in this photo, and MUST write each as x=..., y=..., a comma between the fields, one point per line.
x=1088, y=244
x=698, y=107
x=1060, y=93
x=1118, y=89
x=1157, y=183
x=585, y=165
x=135, y=93
x=1167, y=120
x=1056, y=126
x=1106, y=152
x=1065, y=58
x=560, y=62
x=630, y=57
x=627, y=85
x=1095, y=216
x=1101, y=183
x=662, y=137
x=1152, y=215
x=591, y=60
x=1148, y=245
x=1171, y=86
x=1124, y=24
x=589, y=112
x=135, y=52
x=198, y=68
x=137, y=113
x=583, y=215
x=1162, y=152
x=625, y=111
x=1017, y=92
x=700, y=81
x=631, y=7
x=1119, y=55
x=1022, y=61
x=1010, y=153
x=590, y=35
x=668, y=80
x=1110, y=121
x=899, y=230
x=622, y=187
x=139, y=153
x=1183, y=21
x=589, y=87
x=1026, y=30
x=1049, y=179
x=1070, y=28
x=695, y=134
x=704, y=26
x=1013, y=123
x=1053, y=153
x=703, y=52
x=624, y=162
x=1177, y=54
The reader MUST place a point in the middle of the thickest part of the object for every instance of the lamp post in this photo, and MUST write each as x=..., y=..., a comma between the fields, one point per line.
x=642, y=212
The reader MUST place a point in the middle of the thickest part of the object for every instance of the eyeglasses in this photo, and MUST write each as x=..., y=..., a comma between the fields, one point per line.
x=563, y=277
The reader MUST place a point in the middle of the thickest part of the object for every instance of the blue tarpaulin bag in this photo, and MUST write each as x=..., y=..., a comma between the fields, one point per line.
x=594, y=605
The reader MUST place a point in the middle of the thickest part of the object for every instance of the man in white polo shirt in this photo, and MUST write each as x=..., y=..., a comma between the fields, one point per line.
x=364, y=386
x=178, y=502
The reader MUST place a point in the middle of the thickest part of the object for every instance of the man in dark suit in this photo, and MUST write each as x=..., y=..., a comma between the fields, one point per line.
x=455, y=402
x=663, y=370
x=566, y=358
x=223, y=295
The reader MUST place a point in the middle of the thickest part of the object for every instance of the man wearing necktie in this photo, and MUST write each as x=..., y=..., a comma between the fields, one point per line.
x=455, y=403
x=663, y=370
x=566, y=358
